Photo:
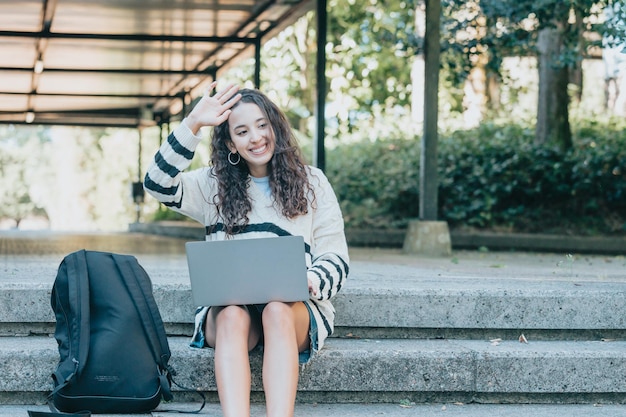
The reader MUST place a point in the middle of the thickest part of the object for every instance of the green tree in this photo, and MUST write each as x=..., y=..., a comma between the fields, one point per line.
x=19, y=151
x=88, y=185
x=553, y=30
x=78, y=178
x=370, y=47
x=370, y=50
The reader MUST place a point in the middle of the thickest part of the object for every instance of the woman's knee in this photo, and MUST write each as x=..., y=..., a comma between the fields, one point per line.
x=276, y=313
x=231, y=320
x=233, y=313
x=284, y=319
x=287, y=316
x=236, y=322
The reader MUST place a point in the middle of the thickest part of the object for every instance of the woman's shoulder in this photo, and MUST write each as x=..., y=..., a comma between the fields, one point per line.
x=316, y=175
x=313, y=171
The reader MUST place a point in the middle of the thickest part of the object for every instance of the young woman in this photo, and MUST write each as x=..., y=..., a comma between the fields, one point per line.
x=256, y=186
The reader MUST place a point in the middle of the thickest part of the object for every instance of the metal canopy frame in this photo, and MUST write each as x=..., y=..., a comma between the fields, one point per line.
x=125, y=63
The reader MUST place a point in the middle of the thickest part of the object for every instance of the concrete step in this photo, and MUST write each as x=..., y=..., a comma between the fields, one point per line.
x=494, y=296
x=541, y=313
x=410, y=329
x=403, y=409
x=370, y=370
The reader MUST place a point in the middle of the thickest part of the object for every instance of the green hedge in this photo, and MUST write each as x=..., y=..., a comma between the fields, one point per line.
x=493, y=177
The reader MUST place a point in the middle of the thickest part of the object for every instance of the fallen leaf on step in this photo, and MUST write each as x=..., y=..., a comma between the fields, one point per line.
x=522, y=338
x=495, y=342
x=406, y=403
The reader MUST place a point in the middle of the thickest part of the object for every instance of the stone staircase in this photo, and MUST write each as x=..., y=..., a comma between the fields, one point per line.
x=476, y=328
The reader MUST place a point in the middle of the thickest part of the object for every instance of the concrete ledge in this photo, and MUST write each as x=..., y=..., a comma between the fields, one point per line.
x=181, y=229
x=540, y=242
x=499, y=241
x=370, y=366
x=394, y=238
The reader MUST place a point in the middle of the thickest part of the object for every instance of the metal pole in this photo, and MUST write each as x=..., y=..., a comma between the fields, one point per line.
x=139, y=155
x=257, y=63
x=319, y=152
x=428, y=160
x=137, y=198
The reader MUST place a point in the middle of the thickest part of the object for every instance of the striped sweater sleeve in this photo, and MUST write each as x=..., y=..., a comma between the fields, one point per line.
x=330, y=264
x=165, y=179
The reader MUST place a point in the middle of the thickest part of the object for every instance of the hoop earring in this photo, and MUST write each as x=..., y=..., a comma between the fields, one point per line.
x=230, y=154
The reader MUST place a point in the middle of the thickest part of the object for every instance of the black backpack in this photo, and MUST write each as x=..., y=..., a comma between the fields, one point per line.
x=112, y=343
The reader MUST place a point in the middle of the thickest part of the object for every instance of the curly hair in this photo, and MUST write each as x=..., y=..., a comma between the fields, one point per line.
x=287, y=171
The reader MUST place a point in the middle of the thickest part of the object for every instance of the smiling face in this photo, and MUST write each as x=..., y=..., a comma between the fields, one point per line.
x=252, y=137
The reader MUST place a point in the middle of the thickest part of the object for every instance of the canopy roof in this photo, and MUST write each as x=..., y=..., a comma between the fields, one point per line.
x=124, y=63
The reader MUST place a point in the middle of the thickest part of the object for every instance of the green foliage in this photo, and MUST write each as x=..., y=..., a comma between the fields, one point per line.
x=376, y=183
x=17, y=168
x=614, y=27
x=373, y=46
x=370, y=46
x=72, y=177
x=492, y=177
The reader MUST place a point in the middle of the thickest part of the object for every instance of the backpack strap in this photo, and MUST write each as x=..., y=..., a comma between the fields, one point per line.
x=77, y=287
x=140, y=287
x=141, y=291
x=32, y=413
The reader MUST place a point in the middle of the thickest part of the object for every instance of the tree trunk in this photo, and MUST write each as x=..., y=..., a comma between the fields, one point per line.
x=493, y=91
x=576, y=72
x=552, y=107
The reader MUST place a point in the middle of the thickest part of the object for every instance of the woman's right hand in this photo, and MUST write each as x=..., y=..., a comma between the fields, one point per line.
x=212, y=110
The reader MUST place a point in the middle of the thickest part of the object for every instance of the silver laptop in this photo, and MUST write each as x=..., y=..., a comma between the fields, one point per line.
x=247, y=271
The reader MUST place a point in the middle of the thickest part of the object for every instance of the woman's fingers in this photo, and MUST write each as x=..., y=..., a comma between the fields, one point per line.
x=215, y=109
x=312, y=288
x=211, y=87
x=229, y=95
x=223, y=95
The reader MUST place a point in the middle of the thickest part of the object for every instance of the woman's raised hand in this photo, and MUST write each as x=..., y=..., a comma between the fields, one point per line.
x=213, y=110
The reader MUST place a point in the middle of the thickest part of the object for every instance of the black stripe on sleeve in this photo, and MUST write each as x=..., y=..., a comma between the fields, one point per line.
x=153, y=186
x=329, y=278
x=164, y=166
x=179, y=148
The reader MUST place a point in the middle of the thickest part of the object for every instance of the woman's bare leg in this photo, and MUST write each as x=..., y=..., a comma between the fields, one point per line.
x=232, y=333
x=285, y=333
